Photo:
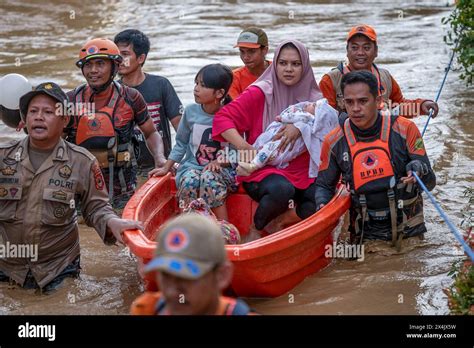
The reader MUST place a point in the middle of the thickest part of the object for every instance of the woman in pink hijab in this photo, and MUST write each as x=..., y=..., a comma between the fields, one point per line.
x=289, y=80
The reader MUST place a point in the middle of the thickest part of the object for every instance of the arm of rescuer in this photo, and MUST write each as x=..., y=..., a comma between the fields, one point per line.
x=329, y=172
x=327, y=89
x=419, y=161
x=98, y=212
x=409, y=107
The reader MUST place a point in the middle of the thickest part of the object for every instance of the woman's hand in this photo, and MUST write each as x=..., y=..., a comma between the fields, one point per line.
x=288, y=134
x=213, y=166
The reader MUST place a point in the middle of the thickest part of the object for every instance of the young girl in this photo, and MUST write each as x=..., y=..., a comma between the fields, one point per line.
x=199, y=174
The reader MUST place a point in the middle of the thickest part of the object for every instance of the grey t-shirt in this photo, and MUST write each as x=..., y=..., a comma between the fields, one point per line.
x=194, y=147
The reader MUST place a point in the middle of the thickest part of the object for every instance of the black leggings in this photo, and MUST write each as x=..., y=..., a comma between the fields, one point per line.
x=274, y=194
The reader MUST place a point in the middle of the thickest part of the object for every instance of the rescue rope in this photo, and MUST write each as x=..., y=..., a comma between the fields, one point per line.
x=446, y=219
x=451, y=226
x=447, y=69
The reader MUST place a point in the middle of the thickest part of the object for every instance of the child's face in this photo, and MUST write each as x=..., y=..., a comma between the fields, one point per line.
x=310, y=108
x=204, y=95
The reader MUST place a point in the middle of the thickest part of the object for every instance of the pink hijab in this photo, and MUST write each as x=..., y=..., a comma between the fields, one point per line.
x=278, y=96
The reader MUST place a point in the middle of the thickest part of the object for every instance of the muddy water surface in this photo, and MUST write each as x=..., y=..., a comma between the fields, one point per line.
x=41, y=41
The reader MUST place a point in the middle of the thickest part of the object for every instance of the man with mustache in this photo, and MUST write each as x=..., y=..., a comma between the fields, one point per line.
x=40, y=176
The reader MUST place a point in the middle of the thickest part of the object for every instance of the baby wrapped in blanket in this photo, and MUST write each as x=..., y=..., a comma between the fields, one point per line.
x=313, y=119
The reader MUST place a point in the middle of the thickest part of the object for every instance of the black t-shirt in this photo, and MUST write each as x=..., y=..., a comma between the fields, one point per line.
x=163, y=105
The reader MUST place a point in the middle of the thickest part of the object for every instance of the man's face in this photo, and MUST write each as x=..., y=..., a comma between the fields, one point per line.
x=130, y=61
x=44, y=125
x=253, y=57
x=189, y=297
x=361, y=52
x=97, y=71
x=361, y=105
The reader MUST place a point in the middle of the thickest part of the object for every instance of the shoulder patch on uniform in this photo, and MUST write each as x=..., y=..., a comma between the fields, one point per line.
x=98, y=177
x=418, y=144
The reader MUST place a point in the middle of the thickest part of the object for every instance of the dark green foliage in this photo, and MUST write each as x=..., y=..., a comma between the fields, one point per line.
x=461, y=36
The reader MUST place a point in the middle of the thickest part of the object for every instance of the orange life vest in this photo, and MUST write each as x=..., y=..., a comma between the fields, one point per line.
x=375, y=183
x=151, y=303
x=371, y=161
x=95, y=130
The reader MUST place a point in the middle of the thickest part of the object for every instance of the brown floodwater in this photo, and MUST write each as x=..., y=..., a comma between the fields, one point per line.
x=41, y=40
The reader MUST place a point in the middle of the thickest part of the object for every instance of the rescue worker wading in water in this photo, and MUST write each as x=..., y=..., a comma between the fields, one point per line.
x=192, y=270
x=376, y=156
x=106, y=113
x=362, y=49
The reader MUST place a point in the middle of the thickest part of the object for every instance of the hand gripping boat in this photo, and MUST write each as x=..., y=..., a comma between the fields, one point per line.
x=267, y=267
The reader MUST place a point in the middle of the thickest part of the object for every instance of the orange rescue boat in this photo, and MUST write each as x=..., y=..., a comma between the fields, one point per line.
x=267, y=267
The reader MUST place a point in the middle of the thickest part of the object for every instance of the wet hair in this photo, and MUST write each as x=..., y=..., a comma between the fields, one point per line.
x=361, y=77
x=217, y=76
x=139, y=41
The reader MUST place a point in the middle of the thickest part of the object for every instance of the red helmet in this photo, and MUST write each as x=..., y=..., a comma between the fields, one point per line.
x=99, y=48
